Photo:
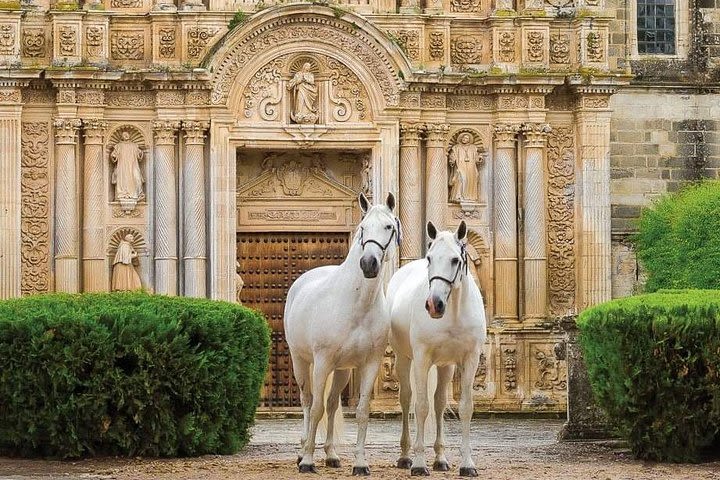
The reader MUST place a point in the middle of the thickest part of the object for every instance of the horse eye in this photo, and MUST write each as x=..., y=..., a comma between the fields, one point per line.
x=455, y=261
x=388, y=227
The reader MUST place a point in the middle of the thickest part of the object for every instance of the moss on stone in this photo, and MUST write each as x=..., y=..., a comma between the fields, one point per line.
x=9, y=5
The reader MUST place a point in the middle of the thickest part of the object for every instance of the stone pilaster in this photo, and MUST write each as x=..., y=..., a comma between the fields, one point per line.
x=94, y=260
x=411, y=215
x=166, y=208
x=194, y=234
x=505, y=218
x=534, y=221
x=436, y=177
x=593, y=126
x=67, y=237
x=10, y=205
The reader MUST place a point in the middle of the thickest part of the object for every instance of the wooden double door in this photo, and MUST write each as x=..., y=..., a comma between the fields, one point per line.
x=269, y=264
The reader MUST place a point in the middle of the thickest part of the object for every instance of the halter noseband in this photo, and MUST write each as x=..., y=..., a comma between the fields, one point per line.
x=462, y=265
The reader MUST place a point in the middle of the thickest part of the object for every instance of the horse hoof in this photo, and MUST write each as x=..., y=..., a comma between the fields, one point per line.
x=419, y=472
x=361, y=471
x=404, y=462
x=441, y=466
x=304, y=468
x=332, y=462
x=468, y=472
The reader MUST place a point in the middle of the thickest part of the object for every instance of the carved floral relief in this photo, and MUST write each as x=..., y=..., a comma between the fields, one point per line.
x=436, y=45
x=167, y=42
x=7, y=39
x=94, y=39
x=33, y=42
x=198, y=39
x=129, y=45
x=560, y=48
x=68, y=40
x=408, y=41
x=506, y=44
x=535, y=46
x=465, y=49
x=595, y=47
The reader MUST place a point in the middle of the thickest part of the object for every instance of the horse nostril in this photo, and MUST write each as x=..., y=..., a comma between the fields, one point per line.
x=427, y=305
x=440, y=305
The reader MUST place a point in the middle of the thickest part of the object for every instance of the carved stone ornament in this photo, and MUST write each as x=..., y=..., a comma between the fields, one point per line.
x=90, y=97
x=595, y=102
x=198, y=39
x=264, y=92
x=68, y=40
x=561, y=224
x=33, y=42
x=126, y=3
x=94, y=35
x=551, y=372
x=464, y=6
x=481, y=374
x=304, y=106
x=167, y=42
x=10, y=96
x=595, y=50
x=126, y=150
x=437, y=45
x=130, y=99
x=127, y=45
x=125, y=245
x=344, y=36
x=347, y=93
x=469, y=102
x=388, y=375
x=7, y=39
x=560, y=48
x=170, y=97
x=465, y=49
x=465, y=157
x=506, y=42
x=408, y=41
x=510, y=366
x=35, y=226
x=535, y=46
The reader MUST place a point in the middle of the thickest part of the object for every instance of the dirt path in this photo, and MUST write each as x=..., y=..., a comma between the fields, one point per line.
x=503, y=449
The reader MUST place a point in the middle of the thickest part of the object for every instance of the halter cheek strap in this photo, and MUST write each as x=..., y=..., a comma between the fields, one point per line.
x=462, y=265
x=395, y=234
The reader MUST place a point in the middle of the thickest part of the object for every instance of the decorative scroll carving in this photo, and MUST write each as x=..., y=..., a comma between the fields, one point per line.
x=464, y=6
x=7, y=39
x=550, y=372
x=347, y=93
x=595, y=50
x=197, y=97
x=89, y=97
x=437, y=45
x=506, y=42
x=198, y=39
x=10, y=96
x=167, y=42
x=128, y=45
x=37, y=96
x=130, y=99
x=33, y=42
x=510, y=365
x=513, y=102
x=264, y=91
x=170, y=97
x=469, y=102
x=68, y=40
x=327, y=30
x=388, y=375
x=560, y=48
x=535, y=48
x=126, y=3
x=595, y=102
x=408, y=41
x=465, y=157
x=432, y=100
x=481, y=374
x=94, y=40
x=465, y=49
x=35, y=228
x=561, y=228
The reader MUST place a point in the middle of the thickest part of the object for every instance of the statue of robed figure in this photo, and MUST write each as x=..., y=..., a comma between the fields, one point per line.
x=124, y=275
x=464, y=159
x=304, y=108
x=127, y=176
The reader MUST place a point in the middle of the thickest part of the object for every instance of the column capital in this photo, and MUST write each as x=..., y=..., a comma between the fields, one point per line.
x=165, y=131
x=94, y=130
x=66, y=130
x=436, y=134
x=195, y=131
x=504, y=135
x=535, y=134
x=410, y=134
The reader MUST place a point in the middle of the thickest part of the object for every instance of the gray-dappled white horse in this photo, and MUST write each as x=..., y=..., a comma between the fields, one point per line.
x=336, y=319
x=437, y=318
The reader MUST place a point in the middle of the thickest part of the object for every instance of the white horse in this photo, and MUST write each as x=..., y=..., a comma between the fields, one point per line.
x=336, y=319
x=437, y=318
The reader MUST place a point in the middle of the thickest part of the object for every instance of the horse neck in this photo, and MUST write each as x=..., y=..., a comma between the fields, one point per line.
x=363, y=289
x=459, y=296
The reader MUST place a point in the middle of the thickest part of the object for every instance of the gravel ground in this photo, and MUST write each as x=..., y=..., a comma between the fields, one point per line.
x=503, y=449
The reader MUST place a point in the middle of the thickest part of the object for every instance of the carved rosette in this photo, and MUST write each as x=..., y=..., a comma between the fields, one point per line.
x=561, y=221
x=35, y=212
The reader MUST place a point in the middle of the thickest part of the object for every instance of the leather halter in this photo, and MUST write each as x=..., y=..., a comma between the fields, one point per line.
x=462, y=265
x=387, y=244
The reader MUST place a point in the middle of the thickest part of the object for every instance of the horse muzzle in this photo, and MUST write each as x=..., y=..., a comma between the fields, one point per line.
x=435, y=307
x=370, y=266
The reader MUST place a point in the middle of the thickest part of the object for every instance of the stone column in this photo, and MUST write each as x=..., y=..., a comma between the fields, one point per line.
x=410, y=193
x=94, y=260
x=10, y=205
x=593, y=126
x=534, y=227
x=67, y=235
x=166, y=208
x=436, y=177
x=505, y=218
x=194, y=235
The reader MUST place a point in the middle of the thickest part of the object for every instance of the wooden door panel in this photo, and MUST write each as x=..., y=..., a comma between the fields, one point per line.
x=269, y=264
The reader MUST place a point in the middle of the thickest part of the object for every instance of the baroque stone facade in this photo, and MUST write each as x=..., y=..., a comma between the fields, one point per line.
x=203, y=149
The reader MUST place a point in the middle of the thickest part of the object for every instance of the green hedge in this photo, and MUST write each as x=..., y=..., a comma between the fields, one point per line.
x=679, y=239
x=653, y=362
x=128, y=374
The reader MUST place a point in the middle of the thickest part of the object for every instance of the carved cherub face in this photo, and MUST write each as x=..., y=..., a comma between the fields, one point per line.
x=465, y=138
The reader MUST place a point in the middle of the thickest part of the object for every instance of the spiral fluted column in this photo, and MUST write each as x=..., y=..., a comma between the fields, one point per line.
x=166, y=208
x=436, y=178
x=67, y=235
x=505, y=219
x=410, y=193
x=534, y=229
x=194, y=234
x=95, y=278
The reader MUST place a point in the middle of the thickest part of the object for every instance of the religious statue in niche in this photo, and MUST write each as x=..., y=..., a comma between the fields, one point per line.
x=465, y=160
x=366, y=176
x=127, y=176
x=124, y=275
x=305, y=96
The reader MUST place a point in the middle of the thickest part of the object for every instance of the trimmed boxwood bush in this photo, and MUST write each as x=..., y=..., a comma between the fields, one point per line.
x=679, y=239
x=653, y=362
x=128, y=374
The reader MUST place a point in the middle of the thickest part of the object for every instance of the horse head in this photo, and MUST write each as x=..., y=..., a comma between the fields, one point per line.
x=378, y=234
x=447, y=266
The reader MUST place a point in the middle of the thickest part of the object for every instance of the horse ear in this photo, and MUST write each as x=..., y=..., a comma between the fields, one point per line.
x=461, y=231
x=431, y=230
x=364, y=204
x=390, y=202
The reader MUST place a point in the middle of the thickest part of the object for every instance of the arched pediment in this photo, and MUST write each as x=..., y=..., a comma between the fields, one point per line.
x=378, y=62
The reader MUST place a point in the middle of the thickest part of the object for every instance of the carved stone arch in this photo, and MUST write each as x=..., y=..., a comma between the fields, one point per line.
x=293, y=28
x=118, y=234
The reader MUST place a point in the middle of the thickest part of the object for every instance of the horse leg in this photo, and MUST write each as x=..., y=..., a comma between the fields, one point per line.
x=402, y=365
x=469, y=367
x=368, y=374
x=444, y=376
x=321, y=371
x=340, y=379
x=420, y=370
x=301, y=371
